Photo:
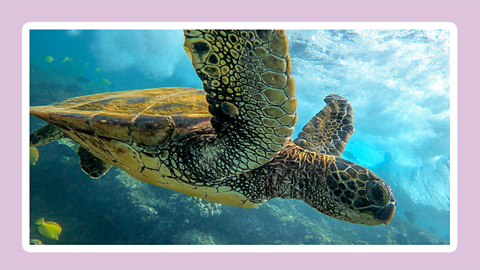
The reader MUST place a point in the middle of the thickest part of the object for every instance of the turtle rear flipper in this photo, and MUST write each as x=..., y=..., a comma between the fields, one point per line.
x=46, y=134
x=92, y=165
x=329, y=131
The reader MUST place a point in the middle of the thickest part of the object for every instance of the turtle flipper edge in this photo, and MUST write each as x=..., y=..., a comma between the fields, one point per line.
x=46, y=134
x=92, y=165
x=329, y=131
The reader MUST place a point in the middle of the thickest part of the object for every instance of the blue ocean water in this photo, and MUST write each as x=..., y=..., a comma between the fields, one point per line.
x=396, y=80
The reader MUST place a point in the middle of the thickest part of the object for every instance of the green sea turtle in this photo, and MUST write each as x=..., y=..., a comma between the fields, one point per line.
x=230, y=145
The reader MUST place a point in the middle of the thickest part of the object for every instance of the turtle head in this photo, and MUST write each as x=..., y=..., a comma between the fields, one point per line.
x=354, y=194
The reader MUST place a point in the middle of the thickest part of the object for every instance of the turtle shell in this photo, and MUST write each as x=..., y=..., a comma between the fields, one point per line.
x=142, y=117
x=133, y=129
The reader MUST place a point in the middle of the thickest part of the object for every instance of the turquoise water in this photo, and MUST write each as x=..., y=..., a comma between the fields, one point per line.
x=396, y=80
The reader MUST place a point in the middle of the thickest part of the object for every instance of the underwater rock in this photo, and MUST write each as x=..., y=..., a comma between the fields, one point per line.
x=148, y=213
x=195, y=237
x=68, y=142
x=128, y=181
x=194, y=205
x=402, y=239
x=420, y=237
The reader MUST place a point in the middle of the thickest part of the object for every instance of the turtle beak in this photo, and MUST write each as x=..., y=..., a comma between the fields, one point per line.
x=376, y=215
x=387, y=221
x=385, y=214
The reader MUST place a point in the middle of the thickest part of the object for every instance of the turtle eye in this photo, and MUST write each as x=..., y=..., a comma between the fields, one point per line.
x=377, y=193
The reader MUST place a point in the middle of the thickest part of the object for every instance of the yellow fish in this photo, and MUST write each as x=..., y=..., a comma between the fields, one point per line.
x=97, y=69
x=36, y=242
x=105, y=81
x=33, y=155
x=66, y=59
x=49, y=59
x=49, y=229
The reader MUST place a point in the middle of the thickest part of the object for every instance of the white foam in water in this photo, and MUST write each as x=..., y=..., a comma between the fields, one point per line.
x=398, y=84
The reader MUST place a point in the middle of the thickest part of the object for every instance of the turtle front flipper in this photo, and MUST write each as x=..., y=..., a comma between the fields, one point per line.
x=329, y=131
x=251, y=95
x=92, y=165
x=46, y=134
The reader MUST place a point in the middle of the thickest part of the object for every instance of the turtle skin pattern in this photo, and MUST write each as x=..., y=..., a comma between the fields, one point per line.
x=328, y=132
x=250, y=91
x=311, y=170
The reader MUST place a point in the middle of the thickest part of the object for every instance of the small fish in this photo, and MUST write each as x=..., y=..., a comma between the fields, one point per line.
x=411, y=217
x=49, y=229
x=33, y=155
x=49, y=59
x=105, y=81
x=349, y=155
x=36, y=242
x=66, y=59
x=97, y=69
x=82, y=78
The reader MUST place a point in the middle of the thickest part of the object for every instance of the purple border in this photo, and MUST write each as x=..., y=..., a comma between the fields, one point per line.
x=465, y=14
